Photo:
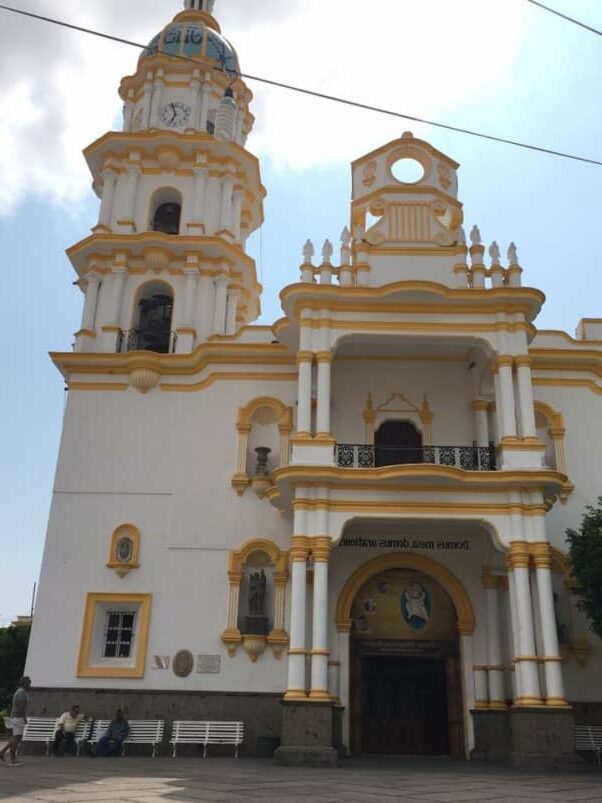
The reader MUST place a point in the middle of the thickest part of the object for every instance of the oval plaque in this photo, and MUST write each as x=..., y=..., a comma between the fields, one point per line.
x=183, y=663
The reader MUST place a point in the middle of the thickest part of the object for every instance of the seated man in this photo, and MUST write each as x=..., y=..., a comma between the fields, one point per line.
x=64, y=738
x=110, y=744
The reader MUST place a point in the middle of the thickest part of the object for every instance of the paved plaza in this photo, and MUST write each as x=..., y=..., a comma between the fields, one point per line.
x=143, y=780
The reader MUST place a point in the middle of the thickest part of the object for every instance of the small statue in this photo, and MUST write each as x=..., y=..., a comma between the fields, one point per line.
x=308, y=252
x=494, y=253
x=512, y=254
x=327, y=252
x=257, y=592
x=475, y=236
x=345, y=238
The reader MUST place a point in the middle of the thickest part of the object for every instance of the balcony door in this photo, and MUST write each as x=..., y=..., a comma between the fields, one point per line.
x=397, y=443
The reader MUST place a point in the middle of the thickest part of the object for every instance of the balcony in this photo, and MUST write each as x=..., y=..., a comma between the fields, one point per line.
x=159, y=341
x=364, y=455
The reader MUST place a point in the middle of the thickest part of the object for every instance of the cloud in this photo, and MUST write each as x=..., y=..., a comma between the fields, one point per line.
x=59, y=88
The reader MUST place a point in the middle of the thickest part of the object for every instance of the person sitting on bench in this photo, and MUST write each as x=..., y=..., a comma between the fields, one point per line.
x=64, y=738
x=111, y=743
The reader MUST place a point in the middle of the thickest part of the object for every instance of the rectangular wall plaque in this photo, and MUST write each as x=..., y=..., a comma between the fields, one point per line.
x=208, y=664
x=161, y=662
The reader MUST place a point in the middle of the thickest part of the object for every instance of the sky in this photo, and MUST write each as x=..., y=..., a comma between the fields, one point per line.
x=502, y=67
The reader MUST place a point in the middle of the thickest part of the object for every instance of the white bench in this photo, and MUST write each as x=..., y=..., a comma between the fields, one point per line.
x=588, y=739
x=206, y=733
x=142, y=731
x=43, y=729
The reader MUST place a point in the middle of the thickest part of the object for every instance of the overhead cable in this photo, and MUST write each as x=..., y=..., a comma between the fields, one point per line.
x=565, y=17
x=315, y=94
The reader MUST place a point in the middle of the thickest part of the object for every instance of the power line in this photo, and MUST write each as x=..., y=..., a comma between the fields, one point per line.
x=565, y=17
x=314, y=93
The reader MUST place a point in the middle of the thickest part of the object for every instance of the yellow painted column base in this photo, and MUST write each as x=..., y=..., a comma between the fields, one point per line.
x=557, y=702
x=295, y=694
x=320, y=695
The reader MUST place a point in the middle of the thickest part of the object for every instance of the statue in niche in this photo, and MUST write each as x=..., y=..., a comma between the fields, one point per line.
x=256, y=623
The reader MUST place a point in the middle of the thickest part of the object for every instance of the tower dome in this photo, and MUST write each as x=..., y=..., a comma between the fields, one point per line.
x=195, y=34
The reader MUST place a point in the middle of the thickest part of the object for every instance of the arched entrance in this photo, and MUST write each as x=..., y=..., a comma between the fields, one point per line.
x=404, y=613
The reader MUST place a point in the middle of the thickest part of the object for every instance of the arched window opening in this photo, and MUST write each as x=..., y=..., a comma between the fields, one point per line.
x=153, y=320
x=397, y=443
x=166, y=211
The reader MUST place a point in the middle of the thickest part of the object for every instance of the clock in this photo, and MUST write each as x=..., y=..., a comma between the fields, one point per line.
x=175, y=115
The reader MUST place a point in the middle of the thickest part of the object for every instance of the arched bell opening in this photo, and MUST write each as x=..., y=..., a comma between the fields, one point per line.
x=166, y=211
x=153, y=320
x=397, y=442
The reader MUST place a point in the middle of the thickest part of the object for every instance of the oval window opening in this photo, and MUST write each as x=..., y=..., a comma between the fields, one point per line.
x=407, y=171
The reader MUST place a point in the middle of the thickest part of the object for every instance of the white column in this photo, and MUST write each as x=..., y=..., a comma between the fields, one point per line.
x=481, y=407
x=334, y=680
x=147, y=93
x=158, y=87
x=555, y=695
x=517, y=679
x=324, y=359
x=237, y=202
x=495, y=669
x=205, y=321
x=467, y=661
x=320, y=547
x=129, y=196
x=480, y=687
x=225, y=220
x=221, y=296
x=118, y=277
x=530, y=692
x=525, y=397
x=109, y=181
x=305, y=366
x=231, y=311
x=506, y=397
x=128, y=111
x=296, y=654
x=205, y=101
x=192, y=280
x=90, y=303
x=200, y=191
x=195, y=99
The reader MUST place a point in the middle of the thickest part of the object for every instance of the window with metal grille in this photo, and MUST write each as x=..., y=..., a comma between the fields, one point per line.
x=119, y=634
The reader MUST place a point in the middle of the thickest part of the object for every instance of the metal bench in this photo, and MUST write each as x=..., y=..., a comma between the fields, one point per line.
x=206, y=733
x=43, y=730
x=588, y=739
x=142, y=731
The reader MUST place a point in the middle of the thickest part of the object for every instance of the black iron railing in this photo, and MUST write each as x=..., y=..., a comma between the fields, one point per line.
x=365, y=455
x=140, y=340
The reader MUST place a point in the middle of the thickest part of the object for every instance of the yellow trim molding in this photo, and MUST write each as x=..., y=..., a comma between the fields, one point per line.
x=87, y=670
x=384, y=563
x=123, y=567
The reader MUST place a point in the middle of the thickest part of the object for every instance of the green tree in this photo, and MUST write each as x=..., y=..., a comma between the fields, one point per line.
x=13, y=651
x=586, y=556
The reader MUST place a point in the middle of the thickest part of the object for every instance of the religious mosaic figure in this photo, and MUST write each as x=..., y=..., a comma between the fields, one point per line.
x=257, y=592
x=416, y=605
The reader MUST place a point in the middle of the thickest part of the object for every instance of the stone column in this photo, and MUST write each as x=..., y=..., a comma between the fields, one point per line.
x=231, y=635
x=481, y=407
x=519, y=561
x=525, y=396
x=109, y=181
x=237, y=202
x=195, y=95
x=91, y=301
x=334, y=681
x=197, y=225
x=158, y=87
x=225, y=217
x=192, y=280
x=147, y=93
x=118, y=277
x=320, y=547
x=128, y=210
x=206, y=307
x=517, y=682
x=221, y=297
x=128, y=111
x=542, y=557
x=495, y=669
x=231, y=311
x=506, y=396
x=468, y=687
x=324, y=359
x=205, y=100
x=305, y=366
x=296, y=654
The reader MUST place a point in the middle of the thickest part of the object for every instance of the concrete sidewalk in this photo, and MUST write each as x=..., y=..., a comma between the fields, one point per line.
x=144, y=780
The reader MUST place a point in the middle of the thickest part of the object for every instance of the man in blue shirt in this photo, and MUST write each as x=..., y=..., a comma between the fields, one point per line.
x=111, y=743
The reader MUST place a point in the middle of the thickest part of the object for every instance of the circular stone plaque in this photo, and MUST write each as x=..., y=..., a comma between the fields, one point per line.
x=183, y=663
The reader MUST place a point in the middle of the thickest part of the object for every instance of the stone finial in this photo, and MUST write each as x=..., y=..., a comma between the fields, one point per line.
x=345, y=238
x=327, y=252
x=461, y=236
x=512, y=254
x=495, y=253
x=308, y=252
x=475, y=236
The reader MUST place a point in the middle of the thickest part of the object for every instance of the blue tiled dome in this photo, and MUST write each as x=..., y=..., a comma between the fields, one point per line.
x=196, y=41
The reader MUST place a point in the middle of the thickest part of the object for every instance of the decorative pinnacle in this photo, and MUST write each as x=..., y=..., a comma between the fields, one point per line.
x=327, y=252
x=461, y=236
x=345, y=238
x=475, y=236
x=308, y=252
x=512, y=254
x=494, y=253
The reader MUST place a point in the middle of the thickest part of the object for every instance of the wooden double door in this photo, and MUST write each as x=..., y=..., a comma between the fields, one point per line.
x=407, y=705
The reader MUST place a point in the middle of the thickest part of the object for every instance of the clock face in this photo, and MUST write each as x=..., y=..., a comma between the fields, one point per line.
x=175, y=115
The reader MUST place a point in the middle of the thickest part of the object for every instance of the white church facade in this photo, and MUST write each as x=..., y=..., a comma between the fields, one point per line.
x=346, y=529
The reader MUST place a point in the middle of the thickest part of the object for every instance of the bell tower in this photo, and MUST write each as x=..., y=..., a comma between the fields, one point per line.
x=165, y=268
